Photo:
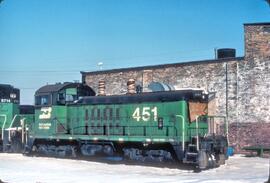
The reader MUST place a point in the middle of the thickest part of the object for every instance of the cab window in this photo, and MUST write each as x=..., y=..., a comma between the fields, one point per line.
x=61, y=98
x=43, y=100
x=71, y=94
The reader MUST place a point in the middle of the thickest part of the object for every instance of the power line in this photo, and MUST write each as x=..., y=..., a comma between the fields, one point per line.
x=28, y=88
x=168, y=60
x=111, y=59
x=77, y=71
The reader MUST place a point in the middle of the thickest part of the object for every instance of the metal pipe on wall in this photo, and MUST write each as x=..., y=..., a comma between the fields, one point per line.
x=237, y=90
x=226, y=80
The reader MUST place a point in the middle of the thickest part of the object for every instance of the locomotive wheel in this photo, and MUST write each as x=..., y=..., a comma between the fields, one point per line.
x=203, y=160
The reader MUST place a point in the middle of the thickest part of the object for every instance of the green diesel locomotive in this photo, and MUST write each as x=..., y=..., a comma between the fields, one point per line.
x=14, y=119
x=71, y=120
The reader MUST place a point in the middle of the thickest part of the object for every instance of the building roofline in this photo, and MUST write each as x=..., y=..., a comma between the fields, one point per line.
x=163, y=65
x=257, y=23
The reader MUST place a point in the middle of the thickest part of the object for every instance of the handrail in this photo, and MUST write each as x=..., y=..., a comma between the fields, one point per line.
x=226, y=125
x=59, y=122
x=13, y=120
x=124, y=127
x=183, y=131
x=9, y=136
x=127, y=128
x=197, y=133
x=4, y=124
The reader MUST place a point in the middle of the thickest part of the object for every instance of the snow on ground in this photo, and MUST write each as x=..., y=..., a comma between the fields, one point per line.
x=16, y=168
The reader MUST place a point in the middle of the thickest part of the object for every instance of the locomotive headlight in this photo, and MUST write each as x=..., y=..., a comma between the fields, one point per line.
x=13, y=95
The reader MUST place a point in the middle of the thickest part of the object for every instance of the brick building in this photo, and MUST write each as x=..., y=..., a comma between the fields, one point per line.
x=242, y=84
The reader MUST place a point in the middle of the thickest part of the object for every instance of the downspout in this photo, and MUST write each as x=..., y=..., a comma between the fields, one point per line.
x=237, y=90
x=226, y=80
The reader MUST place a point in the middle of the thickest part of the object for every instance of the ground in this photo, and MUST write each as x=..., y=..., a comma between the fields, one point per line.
x=16, y=168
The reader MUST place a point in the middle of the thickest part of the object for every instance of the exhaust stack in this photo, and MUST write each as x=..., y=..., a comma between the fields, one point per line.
x=101, y=88
x=131, y=89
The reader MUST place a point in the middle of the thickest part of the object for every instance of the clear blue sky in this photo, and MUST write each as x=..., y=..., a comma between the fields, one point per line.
x=47, y=41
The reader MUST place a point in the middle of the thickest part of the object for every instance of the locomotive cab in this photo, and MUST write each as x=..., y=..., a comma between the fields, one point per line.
x=61, y=94
x=51, y=106
x=9, y=94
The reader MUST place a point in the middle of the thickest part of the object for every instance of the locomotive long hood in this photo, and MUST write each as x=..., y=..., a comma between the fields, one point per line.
x=164, y=96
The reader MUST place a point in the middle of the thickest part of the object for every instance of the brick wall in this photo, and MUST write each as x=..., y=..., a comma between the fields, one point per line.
x=245, y=79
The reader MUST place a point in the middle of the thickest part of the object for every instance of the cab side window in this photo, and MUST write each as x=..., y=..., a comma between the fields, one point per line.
x=71, y=95
x=61, y=98
x=43, y=100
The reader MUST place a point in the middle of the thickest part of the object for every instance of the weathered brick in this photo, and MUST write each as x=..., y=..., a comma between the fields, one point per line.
x=248, y=85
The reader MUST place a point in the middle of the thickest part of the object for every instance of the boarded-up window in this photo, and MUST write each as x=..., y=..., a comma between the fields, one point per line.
x=197, y=109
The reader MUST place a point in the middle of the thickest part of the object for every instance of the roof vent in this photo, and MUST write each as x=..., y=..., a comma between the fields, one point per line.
x=226, y=53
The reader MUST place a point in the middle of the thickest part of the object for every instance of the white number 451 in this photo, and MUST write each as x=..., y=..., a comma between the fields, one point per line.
x=145, y=114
